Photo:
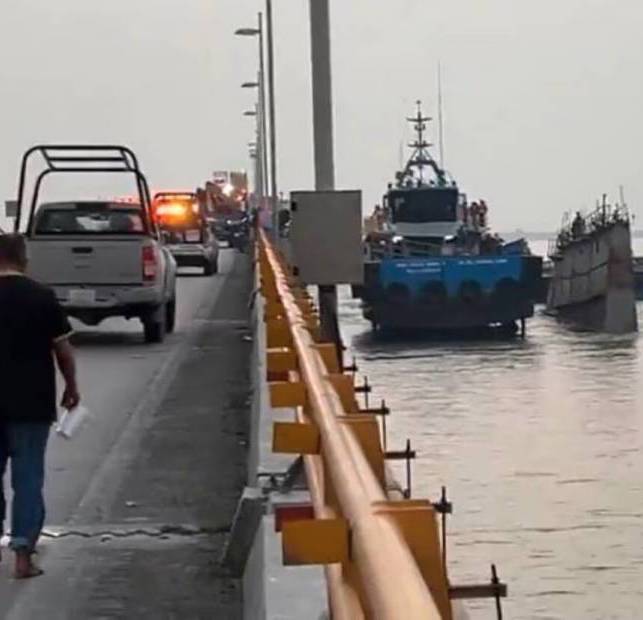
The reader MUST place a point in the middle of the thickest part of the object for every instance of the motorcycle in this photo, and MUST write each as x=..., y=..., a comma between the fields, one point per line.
x=238, y=232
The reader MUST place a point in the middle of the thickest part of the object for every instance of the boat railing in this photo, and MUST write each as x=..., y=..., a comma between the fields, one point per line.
x=582, y=226
x=378, y=249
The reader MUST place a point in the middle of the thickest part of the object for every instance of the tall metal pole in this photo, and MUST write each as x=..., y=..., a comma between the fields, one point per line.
x=264, y=121
x=261, y=140
x=260, y=180
x=273, y=132
x=323, y=144
x=322, y=95
x=440, y=117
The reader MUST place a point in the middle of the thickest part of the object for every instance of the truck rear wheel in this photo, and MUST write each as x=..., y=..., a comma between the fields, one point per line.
x=155, y=326
x=210, y=267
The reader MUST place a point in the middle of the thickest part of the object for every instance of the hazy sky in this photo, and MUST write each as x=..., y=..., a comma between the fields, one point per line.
x=543, y=99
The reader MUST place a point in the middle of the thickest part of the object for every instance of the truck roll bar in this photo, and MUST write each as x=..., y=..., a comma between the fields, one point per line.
x=81, y=158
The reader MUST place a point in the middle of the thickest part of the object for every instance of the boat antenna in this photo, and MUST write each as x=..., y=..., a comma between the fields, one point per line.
x=440, y=117
x=621, y=193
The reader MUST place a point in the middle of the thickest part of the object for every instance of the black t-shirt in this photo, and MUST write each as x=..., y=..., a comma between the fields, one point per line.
x=31, y=320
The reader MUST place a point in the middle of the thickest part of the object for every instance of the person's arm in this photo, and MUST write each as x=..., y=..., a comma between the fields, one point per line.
x=64, y=354
x=59, y=332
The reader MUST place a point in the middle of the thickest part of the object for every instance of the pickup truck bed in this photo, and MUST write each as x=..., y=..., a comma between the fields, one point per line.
x=98, y=272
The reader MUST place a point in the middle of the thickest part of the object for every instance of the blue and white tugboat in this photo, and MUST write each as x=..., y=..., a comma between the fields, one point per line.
x=432, y=262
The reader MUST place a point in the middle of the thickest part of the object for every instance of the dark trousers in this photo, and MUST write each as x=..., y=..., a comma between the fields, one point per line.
x=24, y=444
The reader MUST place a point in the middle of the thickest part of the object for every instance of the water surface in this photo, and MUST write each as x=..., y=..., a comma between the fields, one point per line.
x=539, y=444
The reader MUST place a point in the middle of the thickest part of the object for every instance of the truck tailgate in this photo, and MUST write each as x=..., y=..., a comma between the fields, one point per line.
x=95, y=261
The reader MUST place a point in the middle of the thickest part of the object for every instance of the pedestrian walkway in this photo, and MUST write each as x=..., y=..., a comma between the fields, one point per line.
x=146, y=543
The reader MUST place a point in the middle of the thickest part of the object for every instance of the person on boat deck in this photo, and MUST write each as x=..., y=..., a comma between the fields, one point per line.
x=461, y=236
x=483, y=213
x=578, y=225
x=378, y=214
x=474, y=211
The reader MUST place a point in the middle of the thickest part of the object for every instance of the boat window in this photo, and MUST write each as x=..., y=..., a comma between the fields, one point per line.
x=419, y=206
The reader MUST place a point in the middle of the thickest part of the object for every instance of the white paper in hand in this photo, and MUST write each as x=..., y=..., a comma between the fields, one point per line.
x=70, y=421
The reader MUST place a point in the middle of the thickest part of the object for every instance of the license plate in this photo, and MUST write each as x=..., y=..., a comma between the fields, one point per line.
x=193, y=236
x=82, y=296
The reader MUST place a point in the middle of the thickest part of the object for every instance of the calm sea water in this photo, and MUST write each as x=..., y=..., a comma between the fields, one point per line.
x=540, y=443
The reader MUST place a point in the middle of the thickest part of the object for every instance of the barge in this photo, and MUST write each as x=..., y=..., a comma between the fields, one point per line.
x=592, y=282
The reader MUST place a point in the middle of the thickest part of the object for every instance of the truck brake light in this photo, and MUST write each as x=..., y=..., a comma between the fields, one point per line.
x=150, y=263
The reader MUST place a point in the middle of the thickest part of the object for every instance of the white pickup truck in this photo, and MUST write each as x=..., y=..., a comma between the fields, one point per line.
x=103, y=259
x=100, y=262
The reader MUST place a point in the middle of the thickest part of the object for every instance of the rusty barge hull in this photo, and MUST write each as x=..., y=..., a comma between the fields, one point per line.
x=592, y=284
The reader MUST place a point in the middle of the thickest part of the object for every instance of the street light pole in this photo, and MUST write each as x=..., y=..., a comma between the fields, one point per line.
x=265, y=111
x=261, y=131
x=273, y=132
x=262, y=108
x=260, y=150
x=253, y=150
x=322, y=95
x=323, y=146
x=256, y=154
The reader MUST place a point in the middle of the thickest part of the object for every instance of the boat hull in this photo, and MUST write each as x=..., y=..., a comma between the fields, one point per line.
x=597, y=316
x=593, y=284
x=545, y=281
x=451, y=317
x=450, y=294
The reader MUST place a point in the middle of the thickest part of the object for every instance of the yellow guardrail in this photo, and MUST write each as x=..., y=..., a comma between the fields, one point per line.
x=382, y=556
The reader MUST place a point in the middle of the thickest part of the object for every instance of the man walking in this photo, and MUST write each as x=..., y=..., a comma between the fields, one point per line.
x=33, y=331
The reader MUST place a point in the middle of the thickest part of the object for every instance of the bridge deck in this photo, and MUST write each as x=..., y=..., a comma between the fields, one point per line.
x=179, y=462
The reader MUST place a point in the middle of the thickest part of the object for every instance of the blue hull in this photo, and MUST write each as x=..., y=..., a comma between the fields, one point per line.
x=450, y=293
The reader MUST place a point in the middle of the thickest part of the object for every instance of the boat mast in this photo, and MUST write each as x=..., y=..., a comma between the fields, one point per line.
x=421, y=156
x=440, y=117
x=420, y=146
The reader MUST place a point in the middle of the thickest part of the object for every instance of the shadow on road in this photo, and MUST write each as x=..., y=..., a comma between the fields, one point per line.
x=88, y=338
x=192, y=274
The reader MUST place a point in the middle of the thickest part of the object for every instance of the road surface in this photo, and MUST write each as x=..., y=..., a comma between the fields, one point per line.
x=131, y=466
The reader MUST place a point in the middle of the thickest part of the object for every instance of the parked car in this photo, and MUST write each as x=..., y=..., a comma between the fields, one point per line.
x=103, y=259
